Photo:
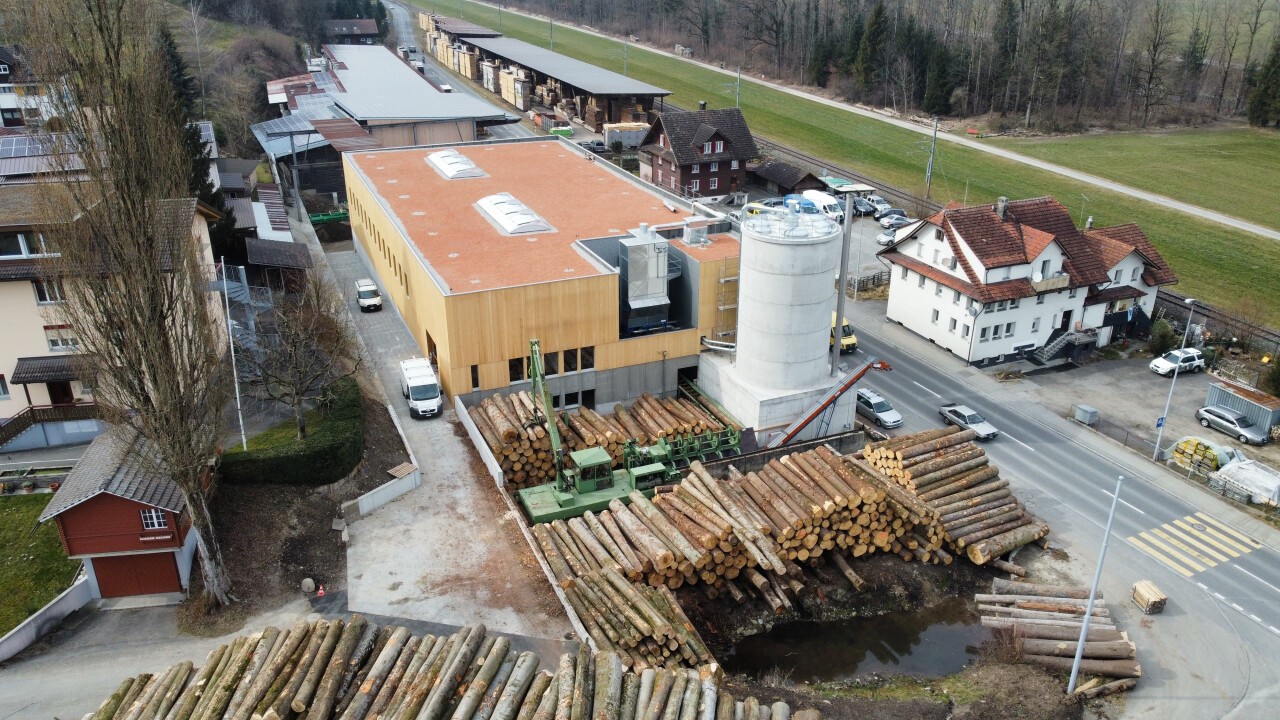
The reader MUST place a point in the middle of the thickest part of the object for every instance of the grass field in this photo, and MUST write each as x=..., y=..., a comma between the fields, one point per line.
x=1215, y=264
x=33, y=568
x=1235, y=171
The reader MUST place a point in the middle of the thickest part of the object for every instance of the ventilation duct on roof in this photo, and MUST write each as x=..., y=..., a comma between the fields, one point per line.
x=511, y=215
x=453, y=165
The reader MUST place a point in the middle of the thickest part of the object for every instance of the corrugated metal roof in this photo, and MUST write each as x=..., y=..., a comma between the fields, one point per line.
x=584, y=76
x=462, y=28
x=345, y=134
x=374, y=83
x=121, y=463
x=243, y=209
x=277, y=254
x=270, y=197
x=49, y=368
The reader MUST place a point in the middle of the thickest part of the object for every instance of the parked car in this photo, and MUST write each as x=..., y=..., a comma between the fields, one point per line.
x=862, y=207
x=595, y=146
x=875, y=407
x=886, y=212
x=1185, y=360
x=878, y=202
x=773, y=202
x=367, y=295
x=967, y=418
x=827, y=205
x=1231, y=422
x=893, y=222
x=888, y=237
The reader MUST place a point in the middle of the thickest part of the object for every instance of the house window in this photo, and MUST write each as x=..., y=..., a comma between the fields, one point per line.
x=982, y=334
x=1014, y=303
x=571, y=360
x=1072, y=293
x=516, y=369
x=1008, y=329
x=659, y=178
x=733, y=164
x=955, y=299
x=989, y=308
x=48, y=291
x=662, y=142
x=589, y=399
x=1000, y=306
x=551, y=363
x=1040, y=299
x=60, y=339
x=922, y=278
x=672, y=183
x=154, y=519
x=475, y=377
x=4, y=69
x=4, y=388
x=905, y=272
x=715, y=167
x=706, y=148
x=1035, y=326
x=1134, y=274
x=21, y=245
x=695, y=169
x=934, y=319
x=952, y=326
x=713, y=184
x=588, y=357
x=571, y=399
x=937, y=291
x=936, y=253
x=966, y=332
x=995, y=332
x=719, y=146
x=694, y=185
x=1119, y=274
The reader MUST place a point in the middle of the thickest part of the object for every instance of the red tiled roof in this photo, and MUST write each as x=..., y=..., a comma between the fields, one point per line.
x=1111, y=252
x=988, y=293
x=997, y=243
x=1051, y=216
x=1131, y=236
x=1111, y=294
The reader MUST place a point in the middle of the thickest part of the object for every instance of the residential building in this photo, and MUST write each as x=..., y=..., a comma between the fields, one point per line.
x=480, y=253
x=992, y=283
x=24, y=100
x=361, y=31
x=121, y=514
x=782, y=178
x=703, y=153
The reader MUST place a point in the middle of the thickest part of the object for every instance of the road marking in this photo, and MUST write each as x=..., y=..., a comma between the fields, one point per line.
x=1228, y=529
x=1273, y=629
x=1237, y=607
x=1108, y=493
x=1190, y=538
x=1203, y=586
x=1206, y=538
x=913, y=382
x=1255, y=577
x=1033, y=450
x=1171, y=564
x=1183, y=547
x=1153, y=540
x=1220, y=596
x=1256, y=619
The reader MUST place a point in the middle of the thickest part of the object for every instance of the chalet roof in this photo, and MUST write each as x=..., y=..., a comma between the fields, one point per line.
x=687, y=131
x=275, y=253
x=1129, y=238
x=47, y=368
x=984, y=293
x=1111, y=294
x=351, y=26
x=780, y=173
x=1051, y=216
x=121, y=463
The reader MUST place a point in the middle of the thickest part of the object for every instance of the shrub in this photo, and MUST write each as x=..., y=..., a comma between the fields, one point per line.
x=333, y=447
x=1162, y=337
x=1271, y=377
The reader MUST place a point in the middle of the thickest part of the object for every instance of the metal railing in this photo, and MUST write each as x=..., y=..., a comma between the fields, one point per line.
x=31, y=415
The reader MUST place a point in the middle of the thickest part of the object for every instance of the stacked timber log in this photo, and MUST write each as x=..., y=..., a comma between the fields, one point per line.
x=355, y=670
x=515, y=429
x=966, y=502
x=1044, y=623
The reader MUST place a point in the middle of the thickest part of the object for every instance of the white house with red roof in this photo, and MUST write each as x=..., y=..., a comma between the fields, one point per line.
x=992, y=283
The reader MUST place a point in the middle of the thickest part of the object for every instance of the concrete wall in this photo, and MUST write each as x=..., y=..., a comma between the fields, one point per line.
x=388, y=491
x=55, y=434
x=46, y=620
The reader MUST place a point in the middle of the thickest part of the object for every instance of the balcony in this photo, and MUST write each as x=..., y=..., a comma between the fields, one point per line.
x=34, y=414
x=1058, y=281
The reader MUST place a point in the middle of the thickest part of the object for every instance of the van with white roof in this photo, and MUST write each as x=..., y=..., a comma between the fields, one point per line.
x=827, y=205
x=419, y=385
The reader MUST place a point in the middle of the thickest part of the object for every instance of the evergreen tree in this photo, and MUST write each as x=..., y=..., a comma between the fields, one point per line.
x=1006, y=39
x=1264, y=99
x=867, y=64
x=937, y=84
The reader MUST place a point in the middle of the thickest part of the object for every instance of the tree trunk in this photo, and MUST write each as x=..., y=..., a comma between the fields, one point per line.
x=300, y=417
x=217, y=585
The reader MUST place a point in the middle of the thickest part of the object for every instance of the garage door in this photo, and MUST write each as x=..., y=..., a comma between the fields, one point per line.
x=124, y=575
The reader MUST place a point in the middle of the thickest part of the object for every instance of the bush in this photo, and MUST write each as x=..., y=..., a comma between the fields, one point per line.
x=332, y=449
x=1162, y=337
x=1271, y=377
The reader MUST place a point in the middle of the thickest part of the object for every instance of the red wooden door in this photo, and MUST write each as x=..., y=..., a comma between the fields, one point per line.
x=124, y=575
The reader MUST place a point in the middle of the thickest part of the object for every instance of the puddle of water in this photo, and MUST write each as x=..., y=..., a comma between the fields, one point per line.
x=937, y=641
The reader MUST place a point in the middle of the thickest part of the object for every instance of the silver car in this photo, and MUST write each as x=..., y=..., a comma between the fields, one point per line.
x=967, y=418
x=870, y=404
x=1229, y=421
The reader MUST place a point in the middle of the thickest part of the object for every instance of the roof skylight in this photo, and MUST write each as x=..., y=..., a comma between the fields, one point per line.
x=454, y=165
x=511, y=215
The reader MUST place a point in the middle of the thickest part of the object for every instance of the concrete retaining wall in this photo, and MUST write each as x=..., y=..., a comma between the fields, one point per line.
x=46, y=619
x=477, y=440
x=385, y=493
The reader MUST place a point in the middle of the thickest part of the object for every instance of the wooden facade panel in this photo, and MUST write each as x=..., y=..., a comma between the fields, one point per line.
x=646, y=349
x=397, y=133
x=108, y=523
x=124, y=575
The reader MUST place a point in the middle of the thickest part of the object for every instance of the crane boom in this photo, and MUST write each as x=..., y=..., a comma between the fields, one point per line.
x=537, y=375
x=827, y=400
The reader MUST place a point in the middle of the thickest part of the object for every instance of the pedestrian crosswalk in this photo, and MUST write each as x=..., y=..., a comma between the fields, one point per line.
x=1194, y=543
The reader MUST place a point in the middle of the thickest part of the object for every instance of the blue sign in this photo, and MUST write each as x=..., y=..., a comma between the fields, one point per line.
x=1160, y=422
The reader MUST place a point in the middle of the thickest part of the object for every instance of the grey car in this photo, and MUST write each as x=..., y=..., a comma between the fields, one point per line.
x=875, y=407
x=1233, y=423
x=967, y=418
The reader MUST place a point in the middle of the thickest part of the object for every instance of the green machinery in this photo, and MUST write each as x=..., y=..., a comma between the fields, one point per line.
x=587, y=481
x=328, y=217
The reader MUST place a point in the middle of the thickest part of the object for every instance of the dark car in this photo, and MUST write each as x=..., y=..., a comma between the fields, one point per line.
x=595, y=146
x=884, y=212
x=862, y=207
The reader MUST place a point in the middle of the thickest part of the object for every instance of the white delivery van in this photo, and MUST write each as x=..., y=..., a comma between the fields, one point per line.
x=419, y=385
x=827, y=205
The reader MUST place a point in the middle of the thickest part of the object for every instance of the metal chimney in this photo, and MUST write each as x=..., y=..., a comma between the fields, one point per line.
x=1088, y=224
x=702, y=104
x=1002, y=205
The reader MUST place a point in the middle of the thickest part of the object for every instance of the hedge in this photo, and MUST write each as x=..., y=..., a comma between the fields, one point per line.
x=333, y=447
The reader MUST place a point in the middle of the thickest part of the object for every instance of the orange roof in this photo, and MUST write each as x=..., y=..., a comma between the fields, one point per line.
x=721, y=246
x=579, y=197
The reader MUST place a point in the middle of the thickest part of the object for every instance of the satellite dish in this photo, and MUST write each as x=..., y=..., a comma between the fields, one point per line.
x=1036, y=276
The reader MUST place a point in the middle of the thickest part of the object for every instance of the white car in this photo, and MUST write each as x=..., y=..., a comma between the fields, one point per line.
x=872, y=405
x=367, y=295
x=1185, y=360
x=967, y=418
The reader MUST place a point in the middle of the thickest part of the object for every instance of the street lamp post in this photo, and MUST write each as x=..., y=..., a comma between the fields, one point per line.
x=1191, y=303
x=1093, y=590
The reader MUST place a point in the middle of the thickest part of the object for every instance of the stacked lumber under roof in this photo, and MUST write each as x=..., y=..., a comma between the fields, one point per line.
x=966, y=502
x=1045, y=621
x=518, y=437
x=356, y=670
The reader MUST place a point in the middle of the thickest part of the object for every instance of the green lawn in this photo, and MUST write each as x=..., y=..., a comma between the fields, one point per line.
x=33, y=568
x=1235, y=171
x=1216, y=264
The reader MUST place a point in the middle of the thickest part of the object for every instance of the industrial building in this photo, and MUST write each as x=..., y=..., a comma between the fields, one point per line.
x=528, y=76
x=483, y=246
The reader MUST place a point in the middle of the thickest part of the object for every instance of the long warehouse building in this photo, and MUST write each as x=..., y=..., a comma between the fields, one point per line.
x=483, y=246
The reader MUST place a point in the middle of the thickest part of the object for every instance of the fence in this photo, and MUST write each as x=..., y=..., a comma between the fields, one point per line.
x=46, y=619
x=867, y=282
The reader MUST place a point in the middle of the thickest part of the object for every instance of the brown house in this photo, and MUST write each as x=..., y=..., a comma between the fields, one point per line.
x=124, y=518
x=353, y=31
x=698, y=154
x=782, y=178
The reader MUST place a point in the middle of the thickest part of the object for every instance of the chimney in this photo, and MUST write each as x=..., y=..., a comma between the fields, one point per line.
x=702, y=104
x=1088, y=224
x=1002, y=205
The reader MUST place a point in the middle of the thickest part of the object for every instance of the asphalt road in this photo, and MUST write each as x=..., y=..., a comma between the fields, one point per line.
x=1214, y=652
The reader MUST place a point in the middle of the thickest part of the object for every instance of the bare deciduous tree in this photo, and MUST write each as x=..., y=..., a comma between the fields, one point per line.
x=136, y=274
x=307, y=348
x=1156, y=56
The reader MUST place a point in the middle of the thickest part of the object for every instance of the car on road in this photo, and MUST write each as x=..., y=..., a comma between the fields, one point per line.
x=1184, y=360
x=595, y=146
x=872, y=405
x=1233, y=423
x=367, y=295
x=967, y=418
x=893, y=222
x=883, y=213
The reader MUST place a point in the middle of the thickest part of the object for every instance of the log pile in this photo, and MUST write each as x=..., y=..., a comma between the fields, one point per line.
x=966, y=503
x=514, y=428
x=1045, y=621
x=1149, y=597
x=355, y=670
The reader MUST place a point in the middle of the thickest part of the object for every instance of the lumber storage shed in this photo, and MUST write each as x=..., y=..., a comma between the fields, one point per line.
x=1262, y=409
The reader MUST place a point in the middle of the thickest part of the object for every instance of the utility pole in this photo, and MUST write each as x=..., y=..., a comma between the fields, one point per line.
x=933, y=149
x=231, y=341
x=837, y=327
x=195, y=32
x=1093, y=590
x=737, y=94
x=551, y=24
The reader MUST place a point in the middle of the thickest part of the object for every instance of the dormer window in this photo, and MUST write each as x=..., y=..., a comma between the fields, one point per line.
x=4, y=69
x=662, y=141
x=719, y=146
x=706, y=148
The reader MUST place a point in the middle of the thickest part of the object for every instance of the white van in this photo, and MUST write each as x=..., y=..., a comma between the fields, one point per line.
x=419, y=385
x=827, y=205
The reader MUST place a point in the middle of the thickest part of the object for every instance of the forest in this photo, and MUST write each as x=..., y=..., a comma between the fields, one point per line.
x=1053, y=65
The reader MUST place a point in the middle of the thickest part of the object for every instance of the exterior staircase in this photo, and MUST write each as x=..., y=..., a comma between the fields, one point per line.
x=1051, y=348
